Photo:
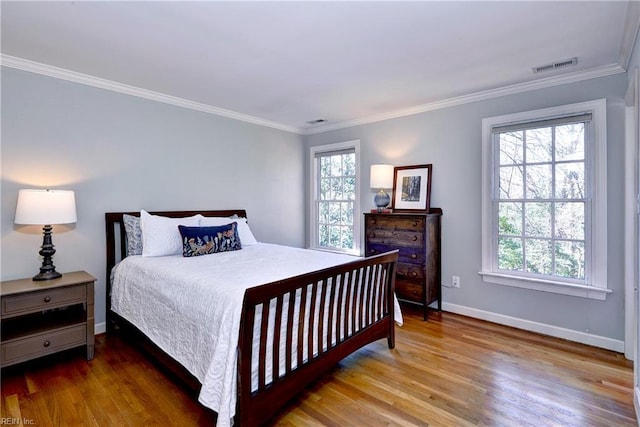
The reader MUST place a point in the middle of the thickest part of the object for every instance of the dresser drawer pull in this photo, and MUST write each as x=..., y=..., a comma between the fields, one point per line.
x=415, y=238
x=414, y=256
x=47, y=299
x=46, y=343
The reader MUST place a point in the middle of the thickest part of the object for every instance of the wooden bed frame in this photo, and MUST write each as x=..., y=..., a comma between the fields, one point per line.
x=367, y=284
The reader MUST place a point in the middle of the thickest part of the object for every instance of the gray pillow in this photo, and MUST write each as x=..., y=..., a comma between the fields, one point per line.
x=133, y=234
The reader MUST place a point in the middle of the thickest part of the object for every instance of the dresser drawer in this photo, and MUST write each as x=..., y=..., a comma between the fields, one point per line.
x=410, y=271
x=408, y=255
x=30, y=302
x=409, y=291
x=396, y=237
x=21, y=349
x=396, y=222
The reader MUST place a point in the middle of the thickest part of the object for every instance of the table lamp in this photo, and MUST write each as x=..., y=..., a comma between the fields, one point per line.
x=46, y=207
x=381, y=177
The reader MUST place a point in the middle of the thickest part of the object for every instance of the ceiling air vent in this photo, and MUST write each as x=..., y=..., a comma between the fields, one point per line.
x=316, y=121
x=556, y=65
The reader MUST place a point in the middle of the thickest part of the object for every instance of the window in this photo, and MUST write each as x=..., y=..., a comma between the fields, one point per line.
x=335, y=190
x=544, y=200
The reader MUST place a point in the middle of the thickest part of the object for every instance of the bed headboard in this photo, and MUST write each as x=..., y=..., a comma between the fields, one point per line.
x=116, y=241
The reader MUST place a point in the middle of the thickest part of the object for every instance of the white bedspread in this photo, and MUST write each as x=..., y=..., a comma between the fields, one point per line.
x=191, y=307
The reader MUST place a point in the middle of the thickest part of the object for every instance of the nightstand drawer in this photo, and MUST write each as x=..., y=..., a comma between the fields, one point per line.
x=41, y=300
x=409, y=291
x=21, y=349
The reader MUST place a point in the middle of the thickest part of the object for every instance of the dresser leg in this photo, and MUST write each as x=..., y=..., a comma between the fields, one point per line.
x=90, y=350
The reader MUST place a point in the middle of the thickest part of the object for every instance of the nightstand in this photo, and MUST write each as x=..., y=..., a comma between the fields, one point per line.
x=44, y=317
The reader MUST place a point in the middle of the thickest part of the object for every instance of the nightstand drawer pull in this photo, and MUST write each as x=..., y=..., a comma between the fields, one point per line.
x=47, y=299
x=46, y=343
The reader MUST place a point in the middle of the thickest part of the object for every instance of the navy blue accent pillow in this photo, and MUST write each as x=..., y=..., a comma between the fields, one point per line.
x=209, y=240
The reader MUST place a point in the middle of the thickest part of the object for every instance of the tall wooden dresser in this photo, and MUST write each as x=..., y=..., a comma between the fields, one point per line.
x=417, y=237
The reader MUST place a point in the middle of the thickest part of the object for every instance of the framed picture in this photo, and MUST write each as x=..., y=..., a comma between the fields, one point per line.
x=411, y=188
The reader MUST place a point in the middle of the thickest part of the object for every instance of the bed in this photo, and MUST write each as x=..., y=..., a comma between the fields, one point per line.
x=250, y=326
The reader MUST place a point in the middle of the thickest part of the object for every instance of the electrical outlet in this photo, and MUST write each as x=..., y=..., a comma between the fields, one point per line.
x=455, y=281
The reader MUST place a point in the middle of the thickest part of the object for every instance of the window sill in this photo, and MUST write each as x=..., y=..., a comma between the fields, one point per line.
x=571, y=289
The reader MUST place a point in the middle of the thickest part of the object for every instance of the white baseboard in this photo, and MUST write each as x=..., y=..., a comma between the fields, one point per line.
x=100, y=328
x=542, y=328
x=636, y=403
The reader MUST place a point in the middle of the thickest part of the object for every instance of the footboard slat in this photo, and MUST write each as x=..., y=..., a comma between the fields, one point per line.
x=313, y=322
x=329, y=314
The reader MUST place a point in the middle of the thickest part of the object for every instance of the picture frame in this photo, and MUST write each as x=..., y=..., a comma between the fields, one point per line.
x=411, y=188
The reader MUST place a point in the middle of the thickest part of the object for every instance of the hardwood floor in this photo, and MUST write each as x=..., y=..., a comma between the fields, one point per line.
x=449, y=371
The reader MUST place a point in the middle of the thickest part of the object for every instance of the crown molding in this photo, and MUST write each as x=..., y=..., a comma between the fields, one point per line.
x=85, y=79
x=88, y=80
x=547, y=82
x=631, y=27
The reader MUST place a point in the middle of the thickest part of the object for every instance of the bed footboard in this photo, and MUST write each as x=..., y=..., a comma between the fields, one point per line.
x=335, y=312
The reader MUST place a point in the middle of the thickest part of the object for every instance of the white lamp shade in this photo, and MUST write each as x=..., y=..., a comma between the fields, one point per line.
x=46, y=207
x=381, y=176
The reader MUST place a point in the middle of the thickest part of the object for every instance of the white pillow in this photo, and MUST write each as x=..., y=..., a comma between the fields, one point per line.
x=244, y=232
x=160, y=234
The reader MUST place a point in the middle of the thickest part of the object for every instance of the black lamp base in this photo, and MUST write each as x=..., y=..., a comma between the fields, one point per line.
x=47, y=275
x=48, y=270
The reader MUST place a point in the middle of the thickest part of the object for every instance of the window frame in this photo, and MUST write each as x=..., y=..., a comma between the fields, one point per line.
x=314, y=151
x=594, y=286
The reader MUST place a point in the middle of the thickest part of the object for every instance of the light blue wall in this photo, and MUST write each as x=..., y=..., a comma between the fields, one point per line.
x=451, y=140
x=122, y=153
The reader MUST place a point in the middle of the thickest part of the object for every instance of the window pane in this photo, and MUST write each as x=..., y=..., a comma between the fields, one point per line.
x=323, y=212
x=325, y=166
x=336, y=189
x=570, y=221
x=539, y=259
x=537, y=219
x=538, y=145
x=509, y=253
x=346, y=209
x=570, y=180
x=336, y=165
x=511, y=182
x=325, y=189
x=347, y=238
x=334, y=236
x=323, y=236
x=539, y=182
x=334, y=213
x=511, y=147
x=349, y=164
x=510, y=218
x=570, y=259
x=570, y=142
x=349, y=187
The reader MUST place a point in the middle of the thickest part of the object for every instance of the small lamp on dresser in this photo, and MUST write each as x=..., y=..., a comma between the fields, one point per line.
x=381, y=178
x=46, y=207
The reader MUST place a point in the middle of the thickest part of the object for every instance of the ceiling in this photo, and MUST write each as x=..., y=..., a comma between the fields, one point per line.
x=284, y=64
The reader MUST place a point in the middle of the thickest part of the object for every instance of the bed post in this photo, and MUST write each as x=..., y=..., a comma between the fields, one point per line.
x=391, y=339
